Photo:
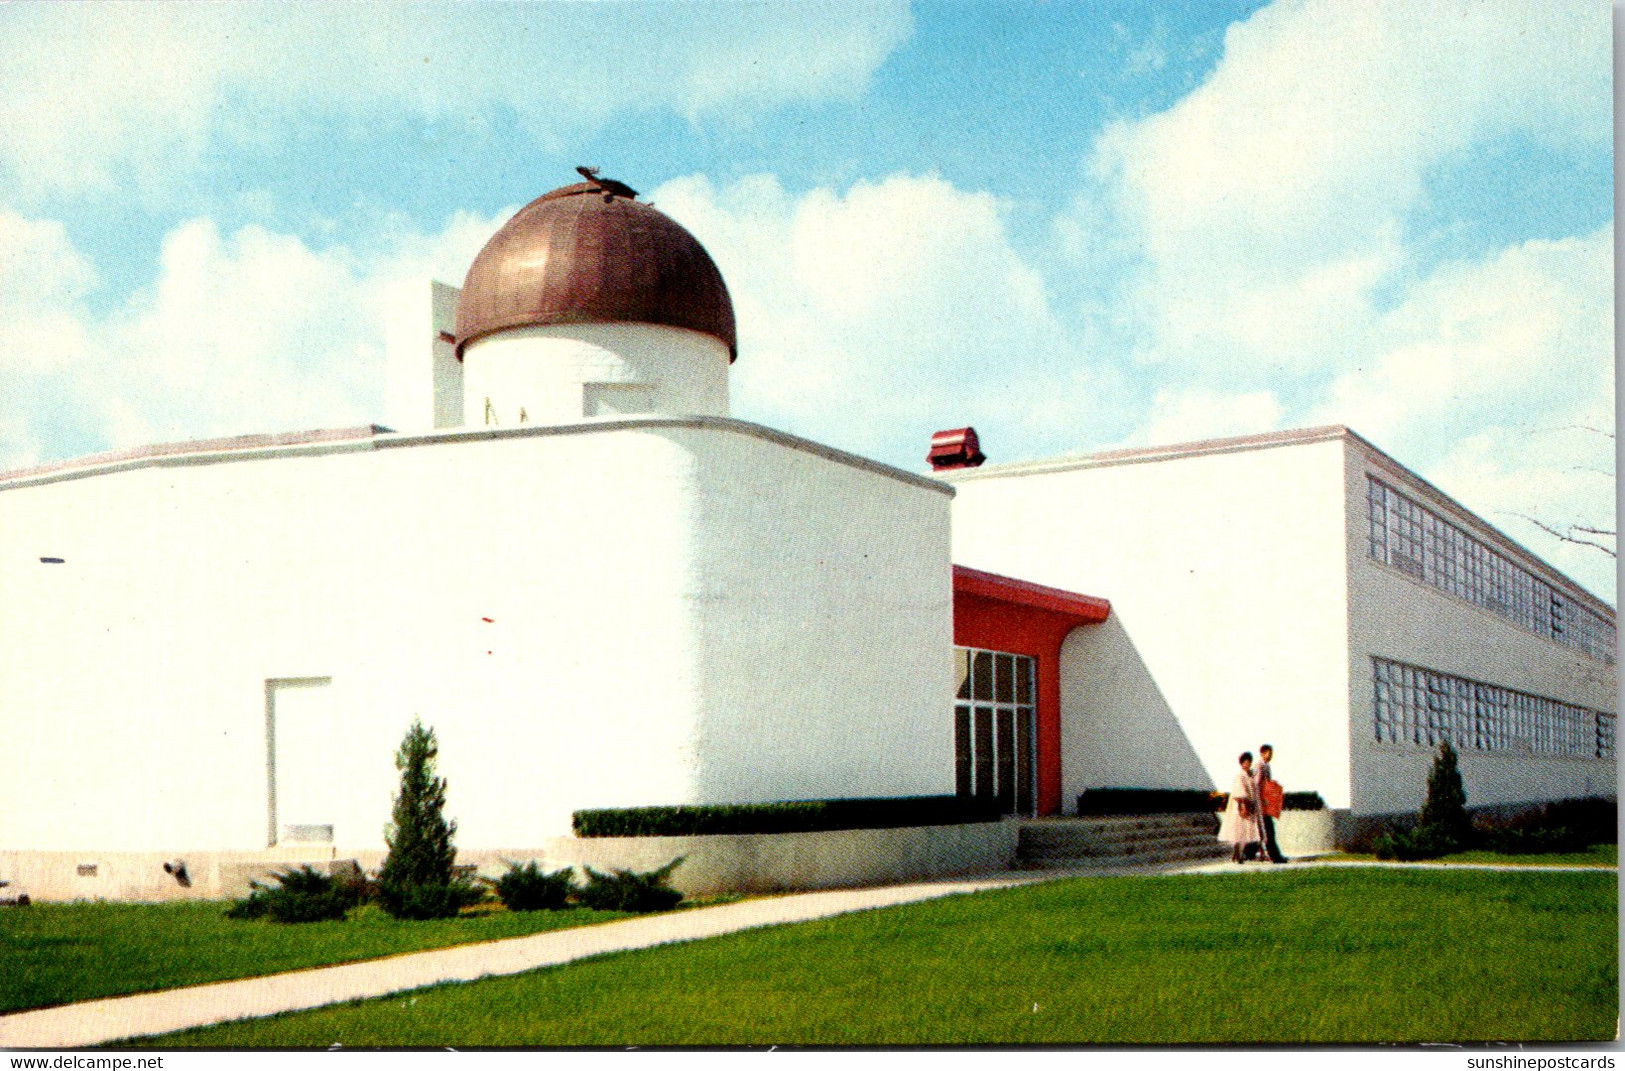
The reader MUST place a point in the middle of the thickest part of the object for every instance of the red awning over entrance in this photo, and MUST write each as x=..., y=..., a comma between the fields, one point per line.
x=1001, y=613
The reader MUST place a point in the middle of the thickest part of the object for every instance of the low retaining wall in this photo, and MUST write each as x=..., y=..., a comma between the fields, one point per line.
x=772, y=862
x=140, y=876
x=1300, y=833
x=753, y=862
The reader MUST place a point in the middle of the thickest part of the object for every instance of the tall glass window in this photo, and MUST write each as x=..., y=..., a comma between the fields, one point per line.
x=1420, y=706
x=1417, y=541
x=996, y=728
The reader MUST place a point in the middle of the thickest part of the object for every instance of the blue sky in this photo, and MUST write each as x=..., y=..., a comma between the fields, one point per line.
x=1074, y=225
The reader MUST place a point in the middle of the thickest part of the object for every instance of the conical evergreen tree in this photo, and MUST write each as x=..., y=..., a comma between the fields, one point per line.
x=1445, y=812
x=419, y=837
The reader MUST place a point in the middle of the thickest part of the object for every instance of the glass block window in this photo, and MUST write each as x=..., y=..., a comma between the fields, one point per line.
x=1419, y=542
x=995, y=728
x=1420, y=706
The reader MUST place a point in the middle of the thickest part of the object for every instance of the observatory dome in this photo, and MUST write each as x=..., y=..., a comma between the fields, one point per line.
x=590, y=253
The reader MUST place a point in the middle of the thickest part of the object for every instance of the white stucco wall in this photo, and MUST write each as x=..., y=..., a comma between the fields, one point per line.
x=565, y=372
x=424, y=386
x=1116, y=724
x=1395, y=616
x=646, y=611
x=824, y=618
x=1225, y=570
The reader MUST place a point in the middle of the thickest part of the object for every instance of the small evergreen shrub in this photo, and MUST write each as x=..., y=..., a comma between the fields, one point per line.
x=1444, y=814
x=1562, y=826
x=428, y=901
x=417, y=880
x=303, y=894
x=1595, y=818
x=1538, y=841
x=800, y=816
x=529, y=888
x=1410, y=846
x=626, y=890
x=254, y=907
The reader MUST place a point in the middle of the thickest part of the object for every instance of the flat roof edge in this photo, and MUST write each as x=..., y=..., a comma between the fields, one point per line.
x=1142, y=454
x=377, y=437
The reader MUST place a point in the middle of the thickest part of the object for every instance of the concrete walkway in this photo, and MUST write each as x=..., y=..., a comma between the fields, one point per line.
x=95, y=1022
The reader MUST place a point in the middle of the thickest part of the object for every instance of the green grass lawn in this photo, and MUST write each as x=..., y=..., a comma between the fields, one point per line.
x=1601, y=855
x=1339, y=955
x=57, y=953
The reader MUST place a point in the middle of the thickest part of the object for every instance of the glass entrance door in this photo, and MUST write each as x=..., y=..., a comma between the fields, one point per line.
x=996, y=729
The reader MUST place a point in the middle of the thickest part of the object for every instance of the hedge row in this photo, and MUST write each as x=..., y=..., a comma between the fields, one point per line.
x=805, y=816
x=1102, y=801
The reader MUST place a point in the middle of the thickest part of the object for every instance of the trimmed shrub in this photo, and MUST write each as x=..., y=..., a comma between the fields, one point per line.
x=304, y=894
x=529, y=888
x=626, y=890
x=1104, y=801
x=803, y=816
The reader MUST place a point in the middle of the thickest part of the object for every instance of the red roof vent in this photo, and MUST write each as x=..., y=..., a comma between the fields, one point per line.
x=956, y=448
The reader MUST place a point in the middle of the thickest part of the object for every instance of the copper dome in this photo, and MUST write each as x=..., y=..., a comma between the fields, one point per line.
x=583, y=254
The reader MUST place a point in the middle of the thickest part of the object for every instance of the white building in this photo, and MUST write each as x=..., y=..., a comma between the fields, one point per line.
x=602, y=591
x=1306, y=590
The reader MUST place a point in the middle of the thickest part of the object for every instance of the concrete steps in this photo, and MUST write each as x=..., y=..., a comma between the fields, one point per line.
x=1118, y=841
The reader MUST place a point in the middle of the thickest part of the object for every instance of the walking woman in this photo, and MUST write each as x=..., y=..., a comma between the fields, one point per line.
x=1239, y=827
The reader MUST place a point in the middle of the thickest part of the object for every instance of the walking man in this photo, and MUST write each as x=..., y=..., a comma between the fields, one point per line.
x=1269, y=795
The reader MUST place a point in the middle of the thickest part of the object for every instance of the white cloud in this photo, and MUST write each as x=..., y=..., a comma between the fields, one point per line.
x=1561, y=476
x=241, y=332
x=1184, y=416
x=43, y=284
x=1484, y=379
x=1267, y=204
x=98, y=94
x=1259, y=232
x=1523, y=339
x=871, y=317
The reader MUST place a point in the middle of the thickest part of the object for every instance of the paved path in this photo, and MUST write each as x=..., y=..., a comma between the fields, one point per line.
x=94, y=1022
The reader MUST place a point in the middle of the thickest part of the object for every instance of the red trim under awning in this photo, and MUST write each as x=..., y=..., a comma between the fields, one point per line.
x=1086, y=608
x=1001, y=613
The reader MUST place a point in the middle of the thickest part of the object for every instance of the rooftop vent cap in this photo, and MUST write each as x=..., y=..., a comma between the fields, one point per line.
x=955, y=448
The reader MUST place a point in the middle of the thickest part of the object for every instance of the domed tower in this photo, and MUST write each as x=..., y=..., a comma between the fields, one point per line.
x=590, y=303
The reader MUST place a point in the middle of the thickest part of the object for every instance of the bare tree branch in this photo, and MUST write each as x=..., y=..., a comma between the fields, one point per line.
x=1580, y=427
x=1575, y=533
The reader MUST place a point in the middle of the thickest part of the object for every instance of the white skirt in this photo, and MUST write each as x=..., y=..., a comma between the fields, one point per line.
x=1234, y=829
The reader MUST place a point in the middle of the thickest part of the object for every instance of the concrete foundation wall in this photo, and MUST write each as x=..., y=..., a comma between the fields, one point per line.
x=753, y=863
